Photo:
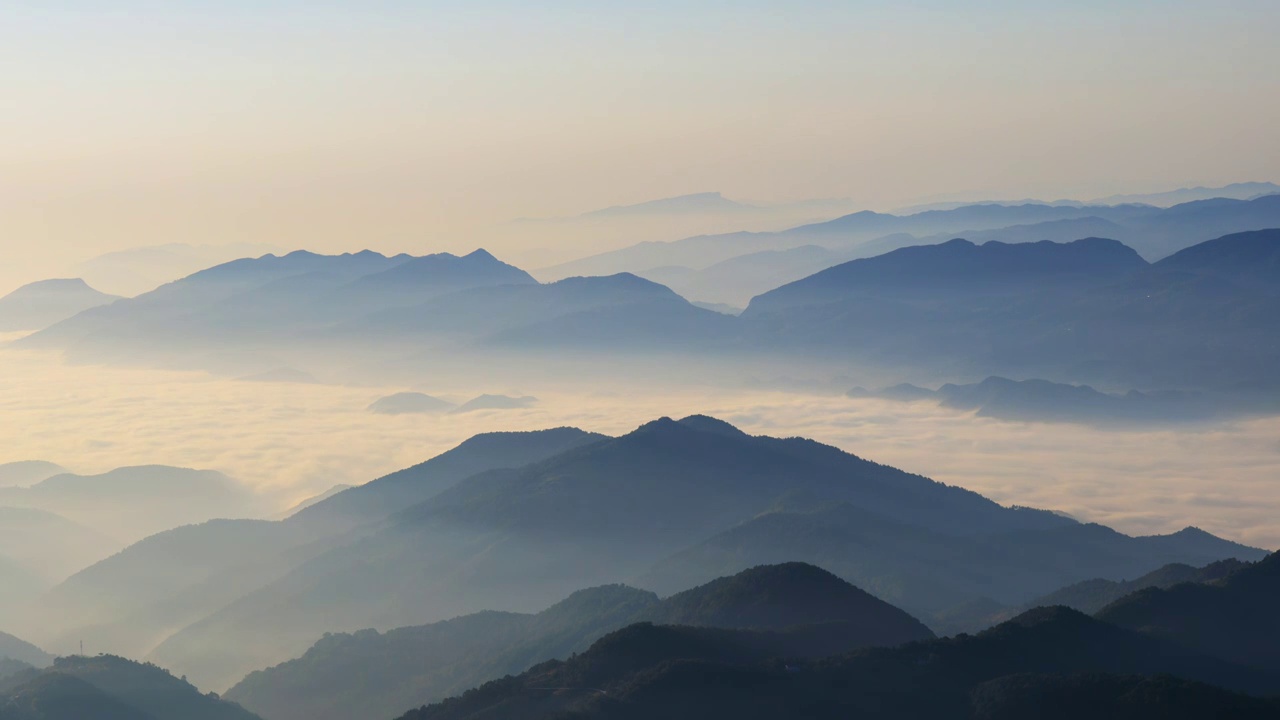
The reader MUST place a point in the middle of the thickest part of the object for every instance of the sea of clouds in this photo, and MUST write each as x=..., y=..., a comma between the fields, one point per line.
x=290, y=441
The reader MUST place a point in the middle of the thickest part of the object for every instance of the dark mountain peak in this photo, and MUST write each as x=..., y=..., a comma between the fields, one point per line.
x=151, y=689
x=1252, y=252
x=1102, y=243
x=480, y=254
x=1270, y=565
x=592, y=602
x=1052, y=615
x=686, y=427
x=663, y=424
x=706, y=423
x=643, y=644
x=1233, y=617
x=780, y=596
x=56, y=695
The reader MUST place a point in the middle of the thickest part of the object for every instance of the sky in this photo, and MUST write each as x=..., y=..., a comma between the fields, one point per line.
x=423, y=126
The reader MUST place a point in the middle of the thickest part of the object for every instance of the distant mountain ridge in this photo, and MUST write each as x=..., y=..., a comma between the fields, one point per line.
x=254, y=309
x=21, y=650
x=960, y=267
x=696, y=202
x=928, y=573
x=1089, y=596
x=1235, y=191
x=1199, y=319
x=1153, y=231
x=133, y=502
x=1088, y=311
x=40, y=304
x=1041, y=400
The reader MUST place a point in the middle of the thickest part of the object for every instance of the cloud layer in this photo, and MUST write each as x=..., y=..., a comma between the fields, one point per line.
x=290, y=441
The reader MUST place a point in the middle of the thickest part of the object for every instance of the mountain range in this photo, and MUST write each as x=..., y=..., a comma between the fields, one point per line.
x=41, y=304
x=132, y=601
x=1048, y=662
x=1088, y=596
x=249, y=315
x=516, y=522
x=1230, y=618
x=1089, y=311
x=134, y=271
x=1086, y=311
x=1234, y=191
x=1154, y=232
x=106, y=687
x=346, y=676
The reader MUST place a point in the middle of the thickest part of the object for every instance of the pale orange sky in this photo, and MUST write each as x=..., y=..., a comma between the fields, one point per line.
x=424, y=126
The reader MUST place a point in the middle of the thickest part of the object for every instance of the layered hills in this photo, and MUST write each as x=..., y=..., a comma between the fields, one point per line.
x=1154, y=232
x=370, y=673
x=41, y=304
x=1086, y=311
x=106, y=687
x=249, y=314
x=516, y=522
x=1201, y=318
x=1229, y=619
x=1021, y=666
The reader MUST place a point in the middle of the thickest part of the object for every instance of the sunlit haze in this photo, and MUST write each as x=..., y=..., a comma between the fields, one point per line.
x=422, y=127
x=497, y=360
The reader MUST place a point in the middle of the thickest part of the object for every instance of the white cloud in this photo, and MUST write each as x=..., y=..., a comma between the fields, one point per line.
x=294, y=440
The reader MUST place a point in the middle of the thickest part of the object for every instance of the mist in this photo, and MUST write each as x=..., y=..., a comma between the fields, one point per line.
x=501, y=361
x=290, y=441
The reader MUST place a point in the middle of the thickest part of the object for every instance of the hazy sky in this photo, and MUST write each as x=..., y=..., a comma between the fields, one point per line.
x=420, y=125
